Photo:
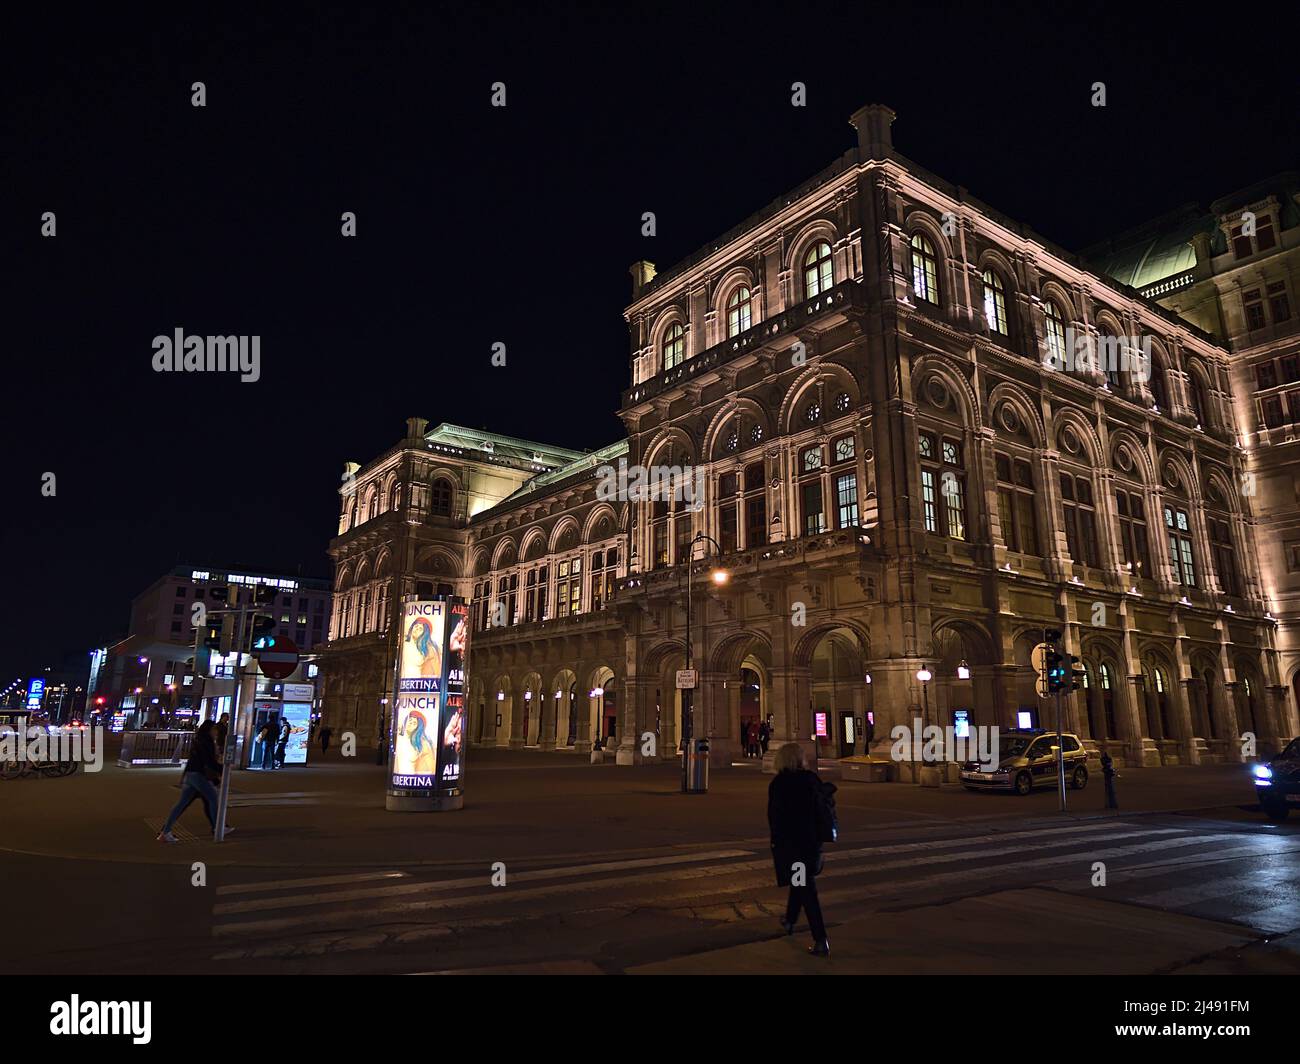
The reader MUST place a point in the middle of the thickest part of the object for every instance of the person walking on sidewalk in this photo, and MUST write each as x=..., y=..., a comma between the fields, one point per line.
x=764, y=737
x=793, y=802
x=325, y=732
x=1110, y=776
x=283, y=744
x=200, y=771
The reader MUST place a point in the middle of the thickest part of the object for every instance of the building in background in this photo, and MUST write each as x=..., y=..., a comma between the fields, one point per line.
x=1233, y=270
x=910, y=471
x=149, y=675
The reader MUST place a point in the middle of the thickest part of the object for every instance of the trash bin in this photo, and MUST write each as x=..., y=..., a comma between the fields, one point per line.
x=696, y=780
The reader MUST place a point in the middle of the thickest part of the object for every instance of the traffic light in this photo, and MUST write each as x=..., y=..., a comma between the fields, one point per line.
x=263, y=623
x=264, y=595
x=1078, y=675
x=265, y=642
x=210, y=635
x=1055, y=665
x=220, y=592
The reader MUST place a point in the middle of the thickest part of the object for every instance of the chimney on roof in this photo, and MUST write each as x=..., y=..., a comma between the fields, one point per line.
x=874, y=138
x=643, y=273
x=415, y=427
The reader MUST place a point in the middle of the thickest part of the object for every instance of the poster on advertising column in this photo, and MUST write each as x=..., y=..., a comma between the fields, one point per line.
x=427, y=722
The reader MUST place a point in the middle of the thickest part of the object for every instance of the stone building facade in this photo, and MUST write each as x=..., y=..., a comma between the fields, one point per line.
x=901, y=464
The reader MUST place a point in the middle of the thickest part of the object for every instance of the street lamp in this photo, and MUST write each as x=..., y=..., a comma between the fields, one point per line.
x=930, y=773
x=720, y=576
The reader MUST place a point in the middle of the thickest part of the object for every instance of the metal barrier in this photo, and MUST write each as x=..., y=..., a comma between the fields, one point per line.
x=154, y=748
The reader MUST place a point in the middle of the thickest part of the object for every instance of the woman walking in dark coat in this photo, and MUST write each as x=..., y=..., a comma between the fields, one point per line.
x=201, y=770
x=792, y=803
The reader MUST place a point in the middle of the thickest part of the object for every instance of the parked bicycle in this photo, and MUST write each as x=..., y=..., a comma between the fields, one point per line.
x=14, y=769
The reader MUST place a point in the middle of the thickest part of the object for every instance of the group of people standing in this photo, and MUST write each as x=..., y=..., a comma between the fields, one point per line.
x=273, y=748
x=754, y=738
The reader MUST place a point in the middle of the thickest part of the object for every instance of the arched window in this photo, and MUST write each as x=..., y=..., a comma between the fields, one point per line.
x=395, y=496
x=373, y=510
x=995, y=303
x=1055, y=333
x=1108, y=702
x=818, y=275
x=1196, y=391
x=739, y=312
x=1110, y=356
x=1162, y=702
x=1157, y=384
x=673, y=348
x=925, y=269
x=440, y=498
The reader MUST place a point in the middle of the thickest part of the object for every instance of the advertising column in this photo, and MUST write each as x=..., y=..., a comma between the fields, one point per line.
x=427, y=743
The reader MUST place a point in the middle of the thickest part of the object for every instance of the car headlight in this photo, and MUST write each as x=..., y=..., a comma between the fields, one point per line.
x=1263, y=775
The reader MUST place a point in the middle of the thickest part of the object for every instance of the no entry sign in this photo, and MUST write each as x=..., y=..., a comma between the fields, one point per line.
x=277, y=656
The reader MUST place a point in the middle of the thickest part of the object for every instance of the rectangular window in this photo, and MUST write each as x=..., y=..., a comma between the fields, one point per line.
x=1254, y=309
x=1279, y=306
x=728, y=527
x=846, y=500
x=1016, y=504
x=954, y=495
x=756, y=520
x=1225, y=558
x=929, y=499
x=814, y=514
x=1272, y=410
x=1265, y=375
x=1133, y=532
x=1241, y=247
x=1264, y=233
x=1178, y=529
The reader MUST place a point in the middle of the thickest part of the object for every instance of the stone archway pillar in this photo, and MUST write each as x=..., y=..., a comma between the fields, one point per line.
x=1194, y=748
x=717, y=716
x=638, y=718
x=791, y=707
x=1144, y=750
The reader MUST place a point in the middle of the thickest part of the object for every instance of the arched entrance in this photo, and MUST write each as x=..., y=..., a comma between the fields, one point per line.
x=564, y=690
x=604, y=708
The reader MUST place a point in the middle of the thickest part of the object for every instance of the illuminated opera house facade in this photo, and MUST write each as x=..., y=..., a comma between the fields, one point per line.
x=903, y=468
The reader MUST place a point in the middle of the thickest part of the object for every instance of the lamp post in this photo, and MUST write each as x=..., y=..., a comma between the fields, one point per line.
x=929, y=775
x=720, y=576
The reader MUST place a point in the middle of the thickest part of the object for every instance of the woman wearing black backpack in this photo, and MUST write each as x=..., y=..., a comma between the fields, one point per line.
x=800, y=814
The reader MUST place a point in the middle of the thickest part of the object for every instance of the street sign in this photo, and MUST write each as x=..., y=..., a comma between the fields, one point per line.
x=277, y=656
x=1039, y=656
x=1040, y=685
x=686, y=679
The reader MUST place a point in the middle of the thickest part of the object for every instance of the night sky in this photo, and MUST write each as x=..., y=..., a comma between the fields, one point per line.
x=478, y=225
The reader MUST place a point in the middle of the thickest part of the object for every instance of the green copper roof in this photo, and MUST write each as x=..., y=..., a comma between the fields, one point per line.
x=608, y=455
x=506, y=446
x=1153, y=253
